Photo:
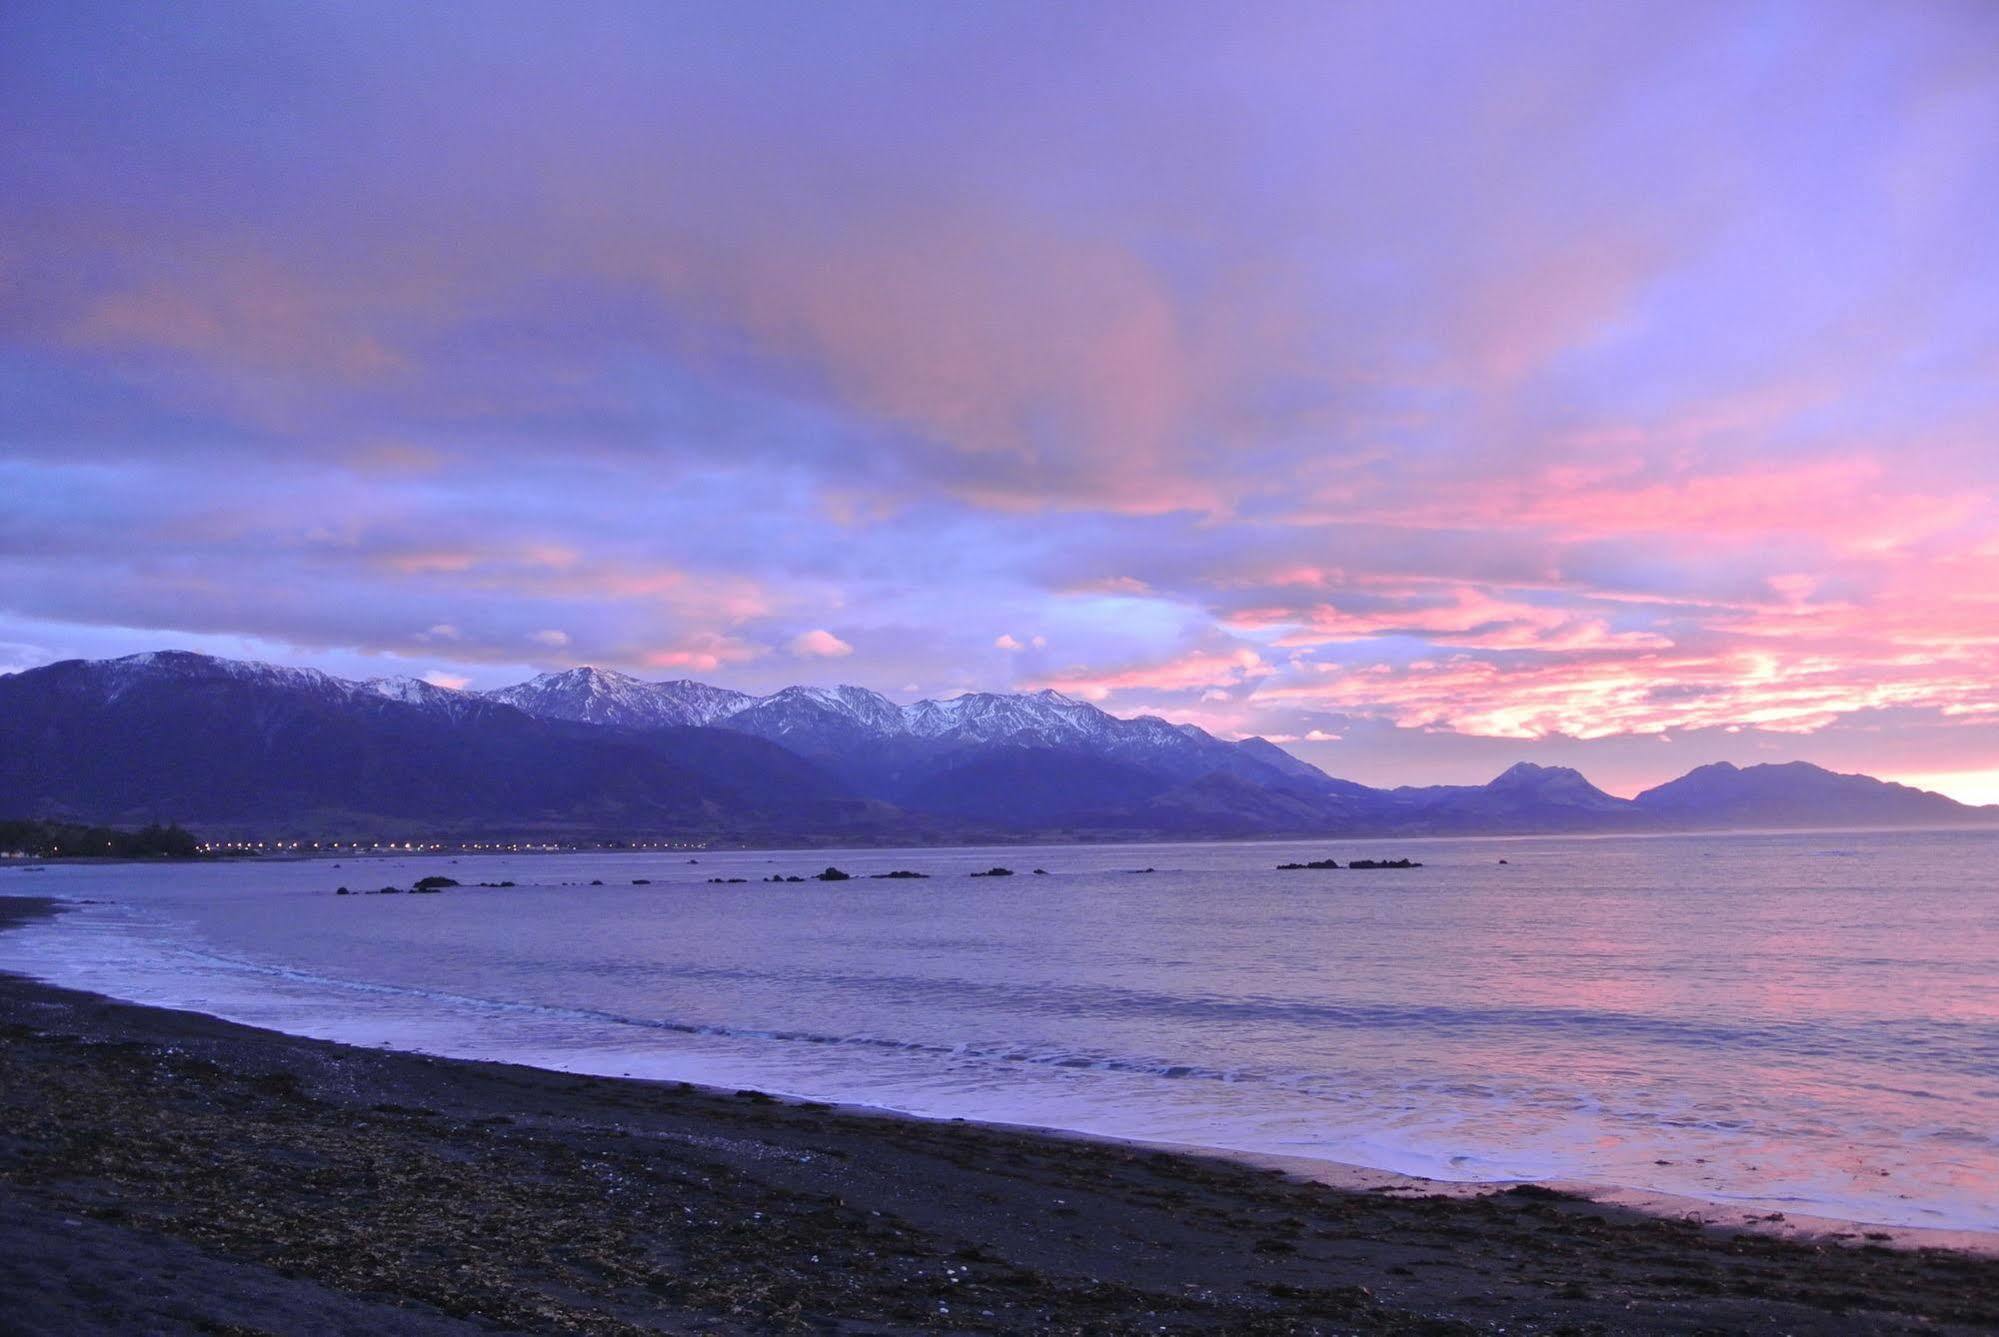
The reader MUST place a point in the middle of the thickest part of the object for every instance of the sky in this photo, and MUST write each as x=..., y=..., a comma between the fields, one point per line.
x=1425, y=386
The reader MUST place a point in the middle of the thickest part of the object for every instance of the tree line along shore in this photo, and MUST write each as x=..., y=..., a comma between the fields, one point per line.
x=35, y=839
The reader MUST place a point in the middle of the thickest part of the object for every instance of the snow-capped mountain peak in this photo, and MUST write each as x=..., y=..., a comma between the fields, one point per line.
x=1047, y=718
x=701, y=703
x=831, y=721
x=603, y=696
x=233, y=742
x=410, y=691
x=813, y=720
x=115, y=677
x=813, y=711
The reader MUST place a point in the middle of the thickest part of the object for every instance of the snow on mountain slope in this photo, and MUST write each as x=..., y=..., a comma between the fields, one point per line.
x=232, y=739
x=412, y=691
x=114, y=677
x=446, y=701
x=831, y=718
x=810, y=718
x=700, y=703
x=1045, y=717
x=601, y=696
x=809, y=710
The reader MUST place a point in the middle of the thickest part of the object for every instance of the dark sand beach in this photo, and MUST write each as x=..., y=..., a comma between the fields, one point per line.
x=166, y=1172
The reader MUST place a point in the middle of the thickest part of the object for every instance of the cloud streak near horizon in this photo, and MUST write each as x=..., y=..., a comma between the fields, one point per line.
x=1429, y=384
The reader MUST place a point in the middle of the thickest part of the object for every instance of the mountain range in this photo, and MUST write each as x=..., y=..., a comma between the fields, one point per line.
x=232, y=747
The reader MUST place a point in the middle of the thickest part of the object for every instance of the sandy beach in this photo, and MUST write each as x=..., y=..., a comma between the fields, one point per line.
x=169, y=1172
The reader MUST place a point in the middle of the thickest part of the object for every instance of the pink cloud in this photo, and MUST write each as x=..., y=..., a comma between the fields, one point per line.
x=1559, y=296
x=702, y=653
x=1194, y=670
x=432, y=562
x=554, y=571
x=1598, y=696
x=1051, y=367
x=1111, y=585
x=1852, y=504
x=244, y=311
x=1461, y=616
x=1543, y=376
x=1849, y=502
x=819, y=644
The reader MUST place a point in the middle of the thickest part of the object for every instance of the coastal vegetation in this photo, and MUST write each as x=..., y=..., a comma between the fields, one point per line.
x=70, y=840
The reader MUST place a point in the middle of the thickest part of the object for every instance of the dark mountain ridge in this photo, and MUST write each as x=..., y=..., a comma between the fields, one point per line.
x=204, y=742
x=1794, y=794
x=236, y=747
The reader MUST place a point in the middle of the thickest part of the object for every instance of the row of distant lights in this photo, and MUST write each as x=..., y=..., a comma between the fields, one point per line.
x=412, y=846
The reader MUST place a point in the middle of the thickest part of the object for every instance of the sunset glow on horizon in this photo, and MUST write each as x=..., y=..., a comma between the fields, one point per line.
x=1424, y=387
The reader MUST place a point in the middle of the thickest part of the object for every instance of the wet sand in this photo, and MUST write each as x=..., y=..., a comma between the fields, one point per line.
x=169, y=1172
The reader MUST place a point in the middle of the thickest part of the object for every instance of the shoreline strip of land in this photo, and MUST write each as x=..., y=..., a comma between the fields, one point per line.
x=169, y=1172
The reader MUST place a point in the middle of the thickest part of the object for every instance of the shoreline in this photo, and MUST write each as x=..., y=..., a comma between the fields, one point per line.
x=1781, y=1217
x=1006, y=840
x=416, y=1194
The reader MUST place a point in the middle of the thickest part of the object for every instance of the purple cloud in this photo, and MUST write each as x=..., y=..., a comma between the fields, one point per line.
x=1429, y=384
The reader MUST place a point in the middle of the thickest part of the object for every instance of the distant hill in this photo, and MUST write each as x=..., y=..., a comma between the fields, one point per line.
x=240, y=747
x=1525, y=797
x=1793, y=794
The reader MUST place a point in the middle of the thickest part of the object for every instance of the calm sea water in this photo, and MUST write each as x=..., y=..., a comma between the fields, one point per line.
x=1801, y=1022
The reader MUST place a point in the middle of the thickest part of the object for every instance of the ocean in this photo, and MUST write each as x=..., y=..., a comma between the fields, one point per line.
x=1783, y=1021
